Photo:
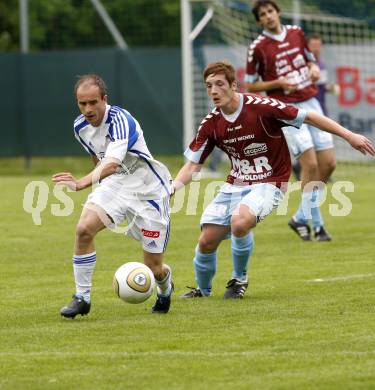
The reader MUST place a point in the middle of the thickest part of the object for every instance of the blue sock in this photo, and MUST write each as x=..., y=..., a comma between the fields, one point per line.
x=242, y=248
x=309, y=209
x=205, y=268
x=317, y=219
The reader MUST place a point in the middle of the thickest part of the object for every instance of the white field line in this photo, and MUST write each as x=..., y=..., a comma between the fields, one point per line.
x=124, y=354
x=341, y=278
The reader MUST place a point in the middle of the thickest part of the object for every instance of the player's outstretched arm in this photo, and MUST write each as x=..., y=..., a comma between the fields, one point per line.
x=185, y=175
x=357, y=141
x=106, y=168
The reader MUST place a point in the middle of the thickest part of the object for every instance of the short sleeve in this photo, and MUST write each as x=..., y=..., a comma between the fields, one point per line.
x=122, y=132
x=203, y=143
x=252, y=65
x=117, y=149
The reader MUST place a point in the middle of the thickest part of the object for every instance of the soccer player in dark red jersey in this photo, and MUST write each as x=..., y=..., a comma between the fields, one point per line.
x=280, y=64
x=248, y=128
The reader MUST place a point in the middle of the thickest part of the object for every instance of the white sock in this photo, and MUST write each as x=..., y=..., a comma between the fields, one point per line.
x=164, y=287
x=83, y=266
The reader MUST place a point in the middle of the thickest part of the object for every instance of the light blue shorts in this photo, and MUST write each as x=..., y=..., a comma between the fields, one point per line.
x=261, y=198
x=307, y=136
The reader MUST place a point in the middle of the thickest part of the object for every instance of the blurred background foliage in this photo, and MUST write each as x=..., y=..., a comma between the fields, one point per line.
x=69, y=24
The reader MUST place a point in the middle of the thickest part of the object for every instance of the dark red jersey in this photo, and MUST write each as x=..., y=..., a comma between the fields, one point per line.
x=270, y=59
x=252, y=139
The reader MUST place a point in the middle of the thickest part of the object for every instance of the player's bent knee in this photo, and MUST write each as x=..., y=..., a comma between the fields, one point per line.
x=84, y=232
x=207, y=245
x=331, y=165
x=241, y=226
x=310, y=167
x=243, y=219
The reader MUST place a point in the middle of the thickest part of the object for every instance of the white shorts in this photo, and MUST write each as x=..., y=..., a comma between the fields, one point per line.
x=148, y=220
x=307, y=136
x=261, y=198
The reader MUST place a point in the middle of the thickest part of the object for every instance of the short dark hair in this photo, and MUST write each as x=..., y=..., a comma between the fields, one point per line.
x=314, y=36
x=262, y=3
x=93, y=79
x=221, y=67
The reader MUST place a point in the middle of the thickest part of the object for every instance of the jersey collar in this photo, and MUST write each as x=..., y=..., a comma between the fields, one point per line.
x=279, y=37
x=102, y=128
x=235, y=115
x=105, y=117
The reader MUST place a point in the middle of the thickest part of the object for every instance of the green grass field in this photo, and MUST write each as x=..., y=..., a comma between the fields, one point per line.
x=289, y=332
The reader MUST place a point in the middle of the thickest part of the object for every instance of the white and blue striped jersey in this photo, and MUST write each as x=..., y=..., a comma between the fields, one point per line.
x=120, y=136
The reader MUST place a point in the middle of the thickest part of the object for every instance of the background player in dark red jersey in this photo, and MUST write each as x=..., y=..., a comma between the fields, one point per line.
x=248, y=128
x=315, y=44
x=281, y=58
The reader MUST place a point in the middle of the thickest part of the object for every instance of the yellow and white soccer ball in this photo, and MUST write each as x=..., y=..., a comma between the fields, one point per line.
x=133, y=282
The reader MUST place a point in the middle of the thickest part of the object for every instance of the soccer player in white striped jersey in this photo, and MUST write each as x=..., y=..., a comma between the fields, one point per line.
x=129, y=185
